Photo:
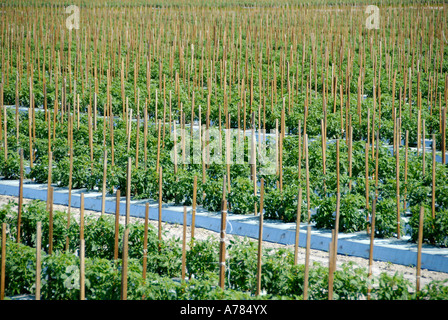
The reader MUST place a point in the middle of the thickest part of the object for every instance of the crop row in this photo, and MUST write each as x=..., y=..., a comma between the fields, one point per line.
x=281, y=277
x=358, y=186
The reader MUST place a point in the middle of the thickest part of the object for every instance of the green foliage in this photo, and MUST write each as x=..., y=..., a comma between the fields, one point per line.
x=213, y=194
x=10, y=167
x=392, y=287
x=351, y=217
x=386, y=218
x=435, y=229
x=241, y=197
x=282, y=205
x=202, y=259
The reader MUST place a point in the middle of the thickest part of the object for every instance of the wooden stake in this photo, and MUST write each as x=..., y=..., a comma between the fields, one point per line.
x=307, y=177
x=443, y=132
x=222, y=241
x=193, y=214
x=350, y=156
x=372, y=236
x=260, y=238
x=331, y=255
x=5, y=127
x=397, y=178
x=145, y=134
x=367, y=181
x=160, y=208
x=128, y=192
x=50, y=165
x=433, y=206
x=124, y=270
x=81, y=217
x=103, y=200
x=50, y=236
x=338, y=179
x=67, y=239
x=299, y=214
x=419, y=248
x=30, y=135
x=38, y=258
x=82, y=270
x=145, y=241
x=423, y=148
x=117, y=223
x=324, y=148
x=158, y=147
x=19, y=213
x=307, y=261
x=418, y=132
x=405, y=168
x=336, y=229
x=3, y=266
x=184, y=245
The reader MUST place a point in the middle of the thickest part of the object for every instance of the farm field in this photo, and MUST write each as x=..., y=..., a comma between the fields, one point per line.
x=332, y=116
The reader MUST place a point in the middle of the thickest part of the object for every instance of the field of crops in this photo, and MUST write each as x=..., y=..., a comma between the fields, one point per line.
x=332, y=115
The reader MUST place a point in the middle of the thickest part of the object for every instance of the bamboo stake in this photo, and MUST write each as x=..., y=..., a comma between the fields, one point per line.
x=160, y=209
x=419, y=248
x=418, y=131
x=338, y=179
x=128, y=192
x=367, y=181
x=299, y=214
x=81, y=217
x=50, y=236
x=82, y=270
x=145, y=134
x=129, y=131
x=397, y=178
x=324, y=148
x=184, y=245
x=38, y=259
x=50, y=166
x=3, y=266
x=307, y=261
x=331, y=255
x=137, y=142
x=433, y=206
x=5, y=127
x=260, y=238
x=423, y=148
x=30, y=135
x=307, y=176
x=222, y=246
x=90, y=133
x=405, y=168
x=124, y=270
x=377, y=161
x=103, y=200
x=145, y=242
x=443, y=131
x=158, y=146
x=193, y=214
x=19, y=213
x=372, y=236
x=117, y=223
x=350, y=156
x=299, y=152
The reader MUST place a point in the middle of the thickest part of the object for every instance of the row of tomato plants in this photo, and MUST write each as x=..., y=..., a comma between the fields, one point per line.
x=281, y=278
x=279, y=203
